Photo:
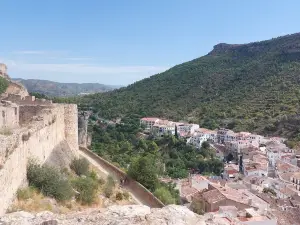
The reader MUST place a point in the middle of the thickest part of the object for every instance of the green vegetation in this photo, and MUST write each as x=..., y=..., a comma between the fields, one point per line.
x=80, y=166
x=143, y=170
x=25, y=193
x=87, y=188
x=6, y=131
x=253, y=87
x=3, y=85
x=109, y=187
x=269, y=190
x=145, y=160
x=39, y=95
x=49, y=181
x=164, y=195
x=167, y=193
x=63, y=185
x=126, y=195
x=198, y=206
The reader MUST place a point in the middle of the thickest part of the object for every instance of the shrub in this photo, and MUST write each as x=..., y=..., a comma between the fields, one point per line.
x=109, y=187
x=49, y=181
x=25, y=193
x=269, y=190
x=80, y=166
x=6, y=131
x=164, y=195
x=126, y=195
x=87, y=188
x=92, y=174
x=197, y=206
x=101, y=181
x=25, y=137
x=119, y=196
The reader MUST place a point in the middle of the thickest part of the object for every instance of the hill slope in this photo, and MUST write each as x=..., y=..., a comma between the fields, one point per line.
x=51, y=88
x=251, y=87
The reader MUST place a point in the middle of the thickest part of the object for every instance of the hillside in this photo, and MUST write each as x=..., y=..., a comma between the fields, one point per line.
x=251, y=87
x=55, y=89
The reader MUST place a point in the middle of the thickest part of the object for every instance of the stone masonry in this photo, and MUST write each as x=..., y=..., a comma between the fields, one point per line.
x=41, y=129
x=31, y=128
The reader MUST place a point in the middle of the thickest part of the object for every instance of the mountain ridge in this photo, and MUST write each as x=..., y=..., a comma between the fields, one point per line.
x=57, y=89
x=252, y=86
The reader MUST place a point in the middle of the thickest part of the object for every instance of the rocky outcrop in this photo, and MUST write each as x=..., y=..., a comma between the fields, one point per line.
x=16, y=89
x=121, y=215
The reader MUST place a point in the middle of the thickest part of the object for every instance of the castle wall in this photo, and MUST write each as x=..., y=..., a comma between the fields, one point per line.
x=71, y=123
x=30, y=112
x=26, y=100
x=50, y=129
x=9, y=117
x=82, y=130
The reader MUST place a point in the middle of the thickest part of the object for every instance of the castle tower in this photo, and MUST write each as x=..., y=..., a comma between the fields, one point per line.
x=3, y=70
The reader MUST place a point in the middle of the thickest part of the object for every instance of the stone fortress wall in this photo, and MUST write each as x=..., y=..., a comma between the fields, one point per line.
x=9, y=116
x=31, y=128
x=34, y=132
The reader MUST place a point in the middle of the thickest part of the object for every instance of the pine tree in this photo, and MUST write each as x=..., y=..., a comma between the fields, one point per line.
x=176, y=133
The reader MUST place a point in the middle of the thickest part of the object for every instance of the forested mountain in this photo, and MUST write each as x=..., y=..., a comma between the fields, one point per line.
x=253, y=87
x=55, y=89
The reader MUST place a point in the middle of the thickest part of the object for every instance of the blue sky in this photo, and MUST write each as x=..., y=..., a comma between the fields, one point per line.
x=121, y=41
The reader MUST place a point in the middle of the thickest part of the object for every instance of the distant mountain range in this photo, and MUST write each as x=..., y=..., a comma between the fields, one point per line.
x=55, y=89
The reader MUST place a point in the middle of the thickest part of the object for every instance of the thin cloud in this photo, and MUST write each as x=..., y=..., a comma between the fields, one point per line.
x=78, y=58
x=29, y=52
x=39, y=52
x=87, y=68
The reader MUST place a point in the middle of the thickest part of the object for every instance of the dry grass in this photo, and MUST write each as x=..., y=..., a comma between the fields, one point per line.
x=6, y=131
x=31, y=200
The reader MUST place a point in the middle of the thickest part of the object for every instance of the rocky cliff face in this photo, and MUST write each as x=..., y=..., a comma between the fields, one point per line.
x=121, y=215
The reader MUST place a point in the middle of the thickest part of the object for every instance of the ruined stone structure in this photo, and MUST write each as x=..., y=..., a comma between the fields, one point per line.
x=84, y=138
x=16, y=89
x=32, y=128
x=3, y=70
x=13, y=87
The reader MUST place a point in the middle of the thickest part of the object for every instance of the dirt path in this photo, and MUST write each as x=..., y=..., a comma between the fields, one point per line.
x=104, y=174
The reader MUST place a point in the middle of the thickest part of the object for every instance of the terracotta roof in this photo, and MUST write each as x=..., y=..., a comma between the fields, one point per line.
x=213, y=196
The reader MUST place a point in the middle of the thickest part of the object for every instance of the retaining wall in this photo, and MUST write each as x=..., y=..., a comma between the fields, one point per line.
x=139, y=190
